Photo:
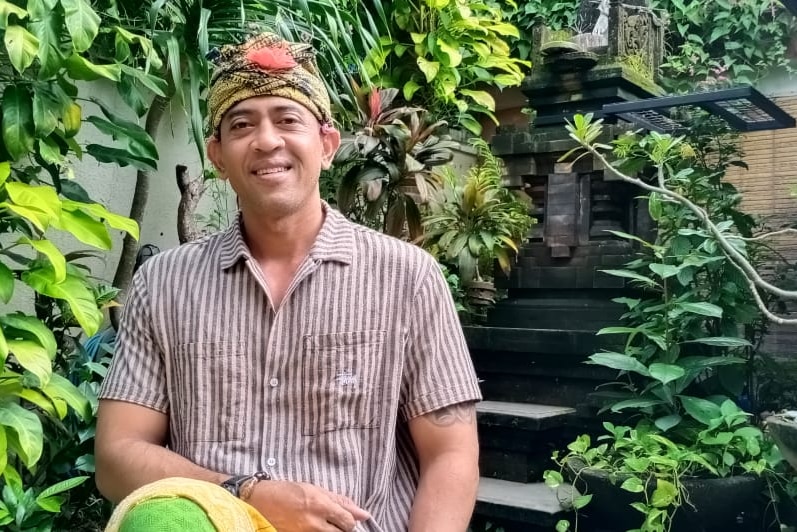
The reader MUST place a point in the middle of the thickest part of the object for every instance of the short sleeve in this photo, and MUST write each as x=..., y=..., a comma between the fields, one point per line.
x=438, y=368
x=137, y=373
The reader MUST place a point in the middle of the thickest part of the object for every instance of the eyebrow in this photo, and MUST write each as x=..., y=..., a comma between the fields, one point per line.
x=234, y=113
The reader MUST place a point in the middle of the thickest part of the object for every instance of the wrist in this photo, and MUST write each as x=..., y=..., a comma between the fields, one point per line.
x=242, y=486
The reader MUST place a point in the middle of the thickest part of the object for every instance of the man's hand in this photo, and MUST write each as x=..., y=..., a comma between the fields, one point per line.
x=300, y=507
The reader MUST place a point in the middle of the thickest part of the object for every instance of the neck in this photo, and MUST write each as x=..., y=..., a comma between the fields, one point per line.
x=285, y=238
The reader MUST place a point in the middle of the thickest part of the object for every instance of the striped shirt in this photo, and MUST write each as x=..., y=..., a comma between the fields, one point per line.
x=319, y=391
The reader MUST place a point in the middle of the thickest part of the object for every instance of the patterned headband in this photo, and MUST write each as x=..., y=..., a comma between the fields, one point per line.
x=267, y=65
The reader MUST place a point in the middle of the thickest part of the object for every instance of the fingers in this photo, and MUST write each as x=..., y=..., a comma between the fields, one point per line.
x=341, y=518
x=359, y=514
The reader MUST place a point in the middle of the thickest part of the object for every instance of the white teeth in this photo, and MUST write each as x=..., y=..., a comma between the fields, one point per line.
x=265, y=171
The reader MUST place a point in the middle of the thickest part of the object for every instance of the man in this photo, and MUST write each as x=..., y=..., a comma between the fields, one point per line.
x=323, y=356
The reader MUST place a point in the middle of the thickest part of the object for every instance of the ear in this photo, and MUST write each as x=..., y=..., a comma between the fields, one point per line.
x=214, y=154
x=330, y=142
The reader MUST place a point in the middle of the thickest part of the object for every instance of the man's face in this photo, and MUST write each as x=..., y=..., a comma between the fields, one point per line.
x=272, y=150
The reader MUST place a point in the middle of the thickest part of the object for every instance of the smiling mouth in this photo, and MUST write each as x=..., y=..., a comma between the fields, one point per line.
x=269, y=171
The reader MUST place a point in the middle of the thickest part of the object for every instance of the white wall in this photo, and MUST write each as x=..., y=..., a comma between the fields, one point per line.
x=113, y=186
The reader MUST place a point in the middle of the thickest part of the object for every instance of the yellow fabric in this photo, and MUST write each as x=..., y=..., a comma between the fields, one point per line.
x=267, y=65
x=224, y=510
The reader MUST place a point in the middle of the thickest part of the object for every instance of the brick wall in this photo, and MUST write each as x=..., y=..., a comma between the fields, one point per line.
x=769, y=191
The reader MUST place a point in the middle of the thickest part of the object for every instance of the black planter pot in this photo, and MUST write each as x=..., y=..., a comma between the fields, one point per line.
x=717, y=504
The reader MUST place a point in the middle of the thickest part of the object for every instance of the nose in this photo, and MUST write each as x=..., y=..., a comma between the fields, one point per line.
x=267, y=137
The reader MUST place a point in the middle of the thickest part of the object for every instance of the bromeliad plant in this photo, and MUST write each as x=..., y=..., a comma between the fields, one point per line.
x=388, y=169
x=682, y=367
x=472, y=222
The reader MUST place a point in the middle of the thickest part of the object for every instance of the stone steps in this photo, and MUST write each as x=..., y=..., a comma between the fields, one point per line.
x=524, y=416
x=518, y=506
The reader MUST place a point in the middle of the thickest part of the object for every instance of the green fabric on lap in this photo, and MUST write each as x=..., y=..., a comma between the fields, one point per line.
x=167, y=515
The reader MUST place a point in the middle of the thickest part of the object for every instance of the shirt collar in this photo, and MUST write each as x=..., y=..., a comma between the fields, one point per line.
x=335, y=241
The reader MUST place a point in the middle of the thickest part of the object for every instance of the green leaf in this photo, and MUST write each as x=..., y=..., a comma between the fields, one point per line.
x=452, y=53
x=57, y=411
x=665, y=373
x=5, y=171
x=73, y=290
x=61, y=388
x=22, y=47
x=33, y=357
x=635, y=403
x=664, y=270
x=50, y=504
x=720, y=341
x=628, y=274
x=19, y=325
x=45, y=114
x=50, y=151
x=665, y=423
x=42, y=198
x=700, y=409
x=38, y=218
x=136, y=139
x=47, y=29
x=429, y=68
x=60, y=487
x=721, y=438
x=633, y=484
x=581, y=501
x=84, y=228
x=17, y=121
x=703, y=308
x=80, y=68
x=82, y=23
x=28, y=430
x=480, y=97
x=620, y=362
x=664, y=495
x=3, y=459
x=6, y=283
x=410, y=88
x=6, y=9
x=98, y=211
x=48, y=249
x=155, y=84
x=121, y=157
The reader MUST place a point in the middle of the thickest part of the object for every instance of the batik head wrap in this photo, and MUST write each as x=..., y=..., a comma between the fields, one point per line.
x=267, y=65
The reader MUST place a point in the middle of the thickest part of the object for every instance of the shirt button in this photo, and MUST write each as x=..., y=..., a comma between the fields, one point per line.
x=273, y=382
x=271, y=462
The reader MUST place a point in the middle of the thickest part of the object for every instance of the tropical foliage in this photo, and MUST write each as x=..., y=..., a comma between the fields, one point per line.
x=683, y=367
x=474, y=221
x=48, y=48
x=708, y=44
x=443, y=54
x=388, y=168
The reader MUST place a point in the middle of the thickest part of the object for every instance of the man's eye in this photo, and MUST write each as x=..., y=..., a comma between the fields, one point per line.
x=239, y=125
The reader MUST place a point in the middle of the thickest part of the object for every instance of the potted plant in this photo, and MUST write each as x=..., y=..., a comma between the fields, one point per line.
x=387, y=169
x=474, y=221
x=683, y=364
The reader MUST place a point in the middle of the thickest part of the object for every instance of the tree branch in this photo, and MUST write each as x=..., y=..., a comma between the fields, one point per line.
x=754, y=279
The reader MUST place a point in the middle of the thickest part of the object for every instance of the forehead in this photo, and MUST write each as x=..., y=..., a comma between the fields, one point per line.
x=265, y=105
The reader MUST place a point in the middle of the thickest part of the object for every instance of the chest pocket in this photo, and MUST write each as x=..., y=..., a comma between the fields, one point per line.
x=209, y=391
x=341, y=386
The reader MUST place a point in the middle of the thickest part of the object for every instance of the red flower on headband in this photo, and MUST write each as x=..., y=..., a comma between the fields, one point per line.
x=272, y=58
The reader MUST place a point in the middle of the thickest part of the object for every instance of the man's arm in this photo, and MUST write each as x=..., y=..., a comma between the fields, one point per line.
x=130, y=452
x=448, y=454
